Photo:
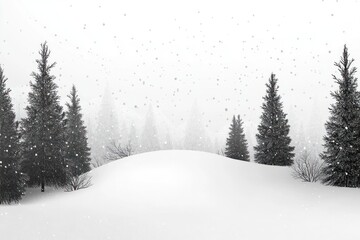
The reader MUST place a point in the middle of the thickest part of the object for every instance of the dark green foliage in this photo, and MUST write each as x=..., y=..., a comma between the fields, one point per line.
x=43, y=129
x=77, y=150
x=236, y=144
x=342, y=140
x=11, y=180
x=273, y=138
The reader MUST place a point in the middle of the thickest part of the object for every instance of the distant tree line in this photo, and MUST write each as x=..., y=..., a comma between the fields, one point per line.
x=108, y=136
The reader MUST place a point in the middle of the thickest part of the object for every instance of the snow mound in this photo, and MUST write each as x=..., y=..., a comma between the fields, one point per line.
x=187, y=195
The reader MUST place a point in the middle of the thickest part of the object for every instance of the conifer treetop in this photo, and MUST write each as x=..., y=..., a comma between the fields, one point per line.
x=74, y=99
x=3, y=89
x=43, y=65
x=344, y=67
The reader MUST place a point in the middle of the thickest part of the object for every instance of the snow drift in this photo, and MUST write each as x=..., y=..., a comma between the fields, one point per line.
x=186, y=195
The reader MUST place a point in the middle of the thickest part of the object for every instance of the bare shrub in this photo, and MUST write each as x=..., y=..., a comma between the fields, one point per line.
x=221, y=152
x=116, y=151
x=96, y=163
x=307, y=168
x=78, y=182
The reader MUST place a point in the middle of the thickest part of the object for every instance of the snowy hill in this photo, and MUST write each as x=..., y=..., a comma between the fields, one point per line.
x=186, y=195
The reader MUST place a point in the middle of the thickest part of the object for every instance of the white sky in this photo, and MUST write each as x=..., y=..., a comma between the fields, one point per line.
x=170, y=53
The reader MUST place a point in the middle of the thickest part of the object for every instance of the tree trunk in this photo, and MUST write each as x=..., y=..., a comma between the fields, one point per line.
x=42, y=185
x=43, y=169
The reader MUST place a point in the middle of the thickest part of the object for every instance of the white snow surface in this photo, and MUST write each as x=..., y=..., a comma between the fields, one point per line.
x=186, y=195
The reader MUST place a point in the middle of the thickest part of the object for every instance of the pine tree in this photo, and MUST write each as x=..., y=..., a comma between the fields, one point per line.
x=236, y=144
x=11, y=180
x=107, y=129
x=168, y=141
x=124, y=133
x=149, y=138
x=195, y=134
x=273, y=141
x=134, y=138
x=77, y=150
x=342, y=139
x=43, y=129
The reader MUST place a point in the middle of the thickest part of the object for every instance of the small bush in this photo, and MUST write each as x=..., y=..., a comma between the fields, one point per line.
x=307, y=168
x=78, y=182
x=117, y=151
x=96, y=162
x=221, y=152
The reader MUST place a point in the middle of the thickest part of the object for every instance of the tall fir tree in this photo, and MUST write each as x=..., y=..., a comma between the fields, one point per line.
x=273, y=141
x=342, y=139
x=77, y=150
x=236, y=144
x=11, y=179
x=43, y=129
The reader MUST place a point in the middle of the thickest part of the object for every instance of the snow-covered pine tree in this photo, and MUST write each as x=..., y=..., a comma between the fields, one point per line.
x=11, y=180
x=77, y=150
x=43, y=130
x=273, y=141
x=342, y=139
x=236, y=144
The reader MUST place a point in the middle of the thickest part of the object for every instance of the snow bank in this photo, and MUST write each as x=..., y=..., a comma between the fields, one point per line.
x=186, y=195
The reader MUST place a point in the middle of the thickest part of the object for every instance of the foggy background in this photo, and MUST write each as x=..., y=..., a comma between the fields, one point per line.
x=188, y=61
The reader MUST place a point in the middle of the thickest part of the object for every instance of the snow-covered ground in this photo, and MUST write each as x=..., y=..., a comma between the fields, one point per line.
x=186, y=195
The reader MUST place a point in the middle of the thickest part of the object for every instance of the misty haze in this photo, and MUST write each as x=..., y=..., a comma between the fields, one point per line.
x=179, y=120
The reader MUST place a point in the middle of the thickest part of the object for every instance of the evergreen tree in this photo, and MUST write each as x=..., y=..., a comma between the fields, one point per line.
x=342, y=139
x=195, y=134
x=43, y=129
x=134, y=138
x=107, y=129
x=168, y=141
x=236, y=144
x=149, y=138
x=273, y=141
x=11, y=180
x=77, y=150
x=124, y=133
